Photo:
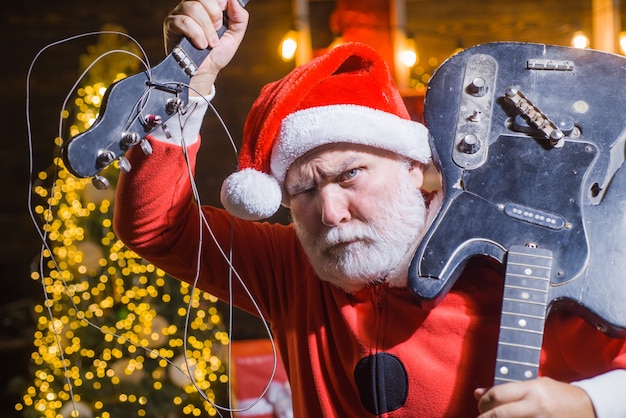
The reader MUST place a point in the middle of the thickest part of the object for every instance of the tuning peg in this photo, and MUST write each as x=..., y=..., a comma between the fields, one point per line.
x=129, y=139
x=153, y=120
x=100, y=182
x=478, y=87
x=104, y=159
x=124, y=164
x=173, y=105
x=145, y=147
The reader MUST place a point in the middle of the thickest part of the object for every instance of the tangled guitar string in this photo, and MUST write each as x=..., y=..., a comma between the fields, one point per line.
x=112, y=325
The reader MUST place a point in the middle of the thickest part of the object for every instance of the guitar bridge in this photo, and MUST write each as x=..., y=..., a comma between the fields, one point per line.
x=535, y=116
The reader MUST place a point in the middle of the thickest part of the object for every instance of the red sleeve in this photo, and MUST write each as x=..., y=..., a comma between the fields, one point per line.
x=155, y=216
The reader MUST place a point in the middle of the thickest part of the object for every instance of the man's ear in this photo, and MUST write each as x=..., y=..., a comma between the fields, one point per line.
x=416, y=171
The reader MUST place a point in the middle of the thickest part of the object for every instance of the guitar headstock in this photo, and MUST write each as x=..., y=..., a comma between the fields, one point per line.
x=131, y=109
x=134, y=107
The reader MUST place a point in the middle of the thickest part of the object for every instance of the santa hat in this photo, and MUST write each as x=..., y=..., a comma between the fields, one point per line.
x=345, y=96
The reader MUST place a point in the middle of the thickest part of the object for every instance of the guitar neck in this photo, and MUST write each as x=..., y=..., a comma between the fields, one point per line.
x=189, y=57
x=524, y=310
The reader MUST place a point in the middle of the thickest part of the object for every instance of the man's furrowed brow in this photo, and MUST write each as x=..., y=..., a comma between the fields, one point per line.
x=299, y=187
x=307, y=182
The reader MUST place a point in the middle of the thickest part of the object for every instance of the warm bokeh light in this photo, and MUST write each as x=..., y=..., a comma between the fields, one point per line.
x=580, y=40
x=408, y=55
x=289, y=45
x=622, y=42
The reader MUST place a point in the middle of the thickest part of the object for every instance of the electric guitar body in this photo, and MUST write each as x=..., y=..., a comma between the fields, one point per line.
x=531, y=140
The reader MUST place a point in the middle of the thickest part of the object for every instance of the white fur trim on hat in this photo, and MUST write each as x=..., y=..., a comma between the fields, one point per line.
x=307, y=129
x=251, y=194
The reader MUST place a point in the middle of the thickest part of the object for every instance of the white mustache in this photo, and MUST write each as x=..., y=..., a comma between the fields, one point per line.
x=338, y=236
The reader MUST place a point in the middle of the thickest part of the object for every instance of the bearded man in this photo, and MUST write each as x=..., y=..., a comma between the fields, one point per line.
x=334, y=142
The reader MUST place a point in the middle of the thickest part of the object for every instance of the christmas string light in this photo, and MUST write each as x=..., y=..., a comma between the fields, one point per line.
x=111, y=369
x=116, y=363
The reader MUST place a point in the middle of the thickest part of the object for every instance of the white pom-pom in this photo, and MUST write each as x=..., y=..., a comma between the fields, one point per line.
x=251, y=194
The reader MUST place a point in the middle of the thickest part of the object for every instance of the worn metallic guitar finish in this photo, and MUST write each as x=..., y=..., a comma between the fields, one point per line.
x=531, y=141
x=134, y=107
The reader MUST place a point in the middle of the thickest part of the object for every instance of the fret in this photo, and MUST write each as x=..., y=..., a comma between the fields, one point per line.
x=523, y=314
x=525, y=288
x=522, y=346
x=524, y=308
x=522, y=329
x=523, y=301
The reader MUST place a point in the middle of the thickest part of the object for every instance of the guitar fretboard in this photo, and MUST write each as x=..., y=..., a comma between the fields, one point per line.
x=524, y=308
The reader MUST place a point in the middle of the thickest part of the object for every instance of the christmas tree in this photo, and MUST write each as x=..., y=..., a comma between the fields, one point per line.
x=116, y=337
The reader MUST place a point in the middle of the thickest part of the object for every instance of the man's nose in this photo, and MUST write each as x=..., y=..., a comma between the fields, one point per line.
x=334, y=205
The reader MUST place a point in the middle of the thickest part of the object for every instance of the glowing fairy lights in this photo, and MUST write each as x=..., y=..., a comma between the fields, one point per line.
x=140, y=312
x=109, y=338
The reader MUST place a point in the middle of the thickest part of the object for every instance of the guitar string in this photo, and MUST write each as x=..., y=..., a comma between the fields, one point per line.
x=232, y=271
x=228, y=258
x=43, y=234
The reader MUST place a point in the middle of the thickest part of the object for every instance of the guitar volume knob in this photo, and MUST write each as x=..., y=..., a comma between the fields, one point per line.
x=478, y=87
x=470, y=144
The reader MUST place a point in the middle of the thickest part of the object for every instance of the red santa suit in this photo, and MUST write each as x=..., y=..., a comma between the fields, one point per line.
x=373, y=353
x=323, y=333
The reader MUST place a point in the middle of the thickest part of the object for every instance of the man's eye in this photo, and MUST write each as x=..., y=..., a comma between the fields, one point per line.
x=350, y=174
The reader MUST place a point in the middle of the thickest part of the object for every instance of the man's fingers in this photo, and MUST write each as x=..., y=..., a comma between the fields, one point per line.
x=198, y=20
x=210, y=18
x=500, y=395
x=520, y=409
x=238, y=16
x=478, y=392
x=542, y=397
x=177, y=26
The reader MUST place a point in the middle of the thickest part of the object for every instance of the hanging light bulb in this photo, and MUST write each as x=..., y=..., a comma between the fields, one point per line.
x=580, y=40
x=288, y=45
x=408, y=56
x=622, y=42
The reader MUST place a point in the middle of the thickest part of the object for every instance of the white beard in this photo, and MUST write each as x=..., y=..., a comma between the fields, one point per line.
x=361, y=253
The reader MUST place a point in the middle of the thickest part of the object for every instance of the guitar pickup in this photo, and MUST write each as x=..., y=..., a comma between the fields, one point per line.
x=534, y=216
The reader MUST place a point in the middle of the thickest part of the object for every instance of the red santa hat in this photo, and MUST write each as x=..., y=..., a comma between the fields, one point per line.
x=345, y=96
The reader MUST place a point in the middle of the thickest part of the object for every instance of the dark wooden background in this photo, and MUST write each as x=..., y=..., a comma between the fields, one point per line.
x=27, y=26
